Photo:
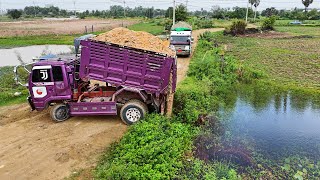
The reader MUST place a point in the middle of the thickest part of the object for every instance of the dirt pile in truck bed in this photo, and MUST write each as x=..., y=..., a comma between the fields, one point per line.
x=136, y=39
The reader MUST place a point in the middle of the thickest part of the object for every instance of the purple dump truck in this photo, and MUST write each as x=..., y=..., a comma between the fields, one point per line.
x=136, y=80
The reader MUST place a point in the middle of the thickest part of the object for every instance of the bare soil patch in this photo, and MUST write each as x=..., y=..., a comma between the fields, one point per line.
x=45, y=27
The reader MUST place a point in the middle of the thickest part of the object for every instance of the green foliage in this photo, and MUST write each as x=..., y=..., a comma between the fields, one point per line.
x=8, y=97
x=150, y=27
x=237, y=27
x=14, y=13
x=181, y=13
x=268, y=23
x=152, y=149
x=8, y=86
x=196, y=169
x=198, y=23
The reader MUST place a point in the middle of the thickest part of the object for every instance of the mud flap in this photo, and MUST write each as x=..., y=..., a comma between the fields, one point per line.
x=31, y=104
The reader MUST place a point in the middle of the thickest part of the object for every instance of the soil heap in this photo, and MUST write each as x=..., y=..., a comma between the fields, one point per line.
x=136, y=39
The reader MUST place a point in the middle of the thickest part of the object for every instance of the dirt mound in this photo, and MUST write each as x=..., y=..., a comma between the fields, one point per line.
x=136, y=39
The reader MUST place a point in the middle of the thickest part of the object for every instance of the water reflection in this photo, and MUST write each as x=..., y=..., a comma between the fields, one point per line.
x=264, y=122
x=9, y=57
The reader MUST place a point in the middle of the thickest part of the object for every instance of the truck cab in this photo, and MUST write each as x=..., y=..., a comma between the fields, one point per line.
x=49, y=82
x=182, y=42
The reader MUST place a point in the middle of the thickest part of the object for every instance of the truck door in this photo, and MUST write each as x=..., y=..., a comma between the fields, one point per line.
x=42, y=85
x=61, y=82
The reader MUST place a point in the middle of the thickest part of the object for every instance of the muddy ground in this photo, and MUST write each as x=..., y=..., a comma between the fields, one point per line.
x=44, y=27
x=34, y=147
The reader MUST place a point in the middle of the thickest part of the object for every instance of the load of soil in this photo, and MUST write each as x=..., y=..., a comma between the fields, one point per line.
x=136, y=39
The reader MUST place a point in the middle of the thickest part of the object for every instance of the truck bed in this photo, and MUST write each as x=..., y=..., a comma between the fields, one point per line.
x=126, y=66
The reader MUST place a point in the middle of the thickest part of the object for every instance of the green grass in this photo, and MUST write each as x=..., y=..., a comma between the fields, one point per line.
x=300, y=30
x=292, y=62
x=7, y=98
x=9, y=42
x=305, y=22
x=149, y=27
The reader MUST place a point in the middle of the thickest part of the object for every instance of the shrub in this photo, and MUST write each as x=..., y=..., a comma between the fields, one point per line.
x=237, y=27
x=151, y=149
x=268, y=23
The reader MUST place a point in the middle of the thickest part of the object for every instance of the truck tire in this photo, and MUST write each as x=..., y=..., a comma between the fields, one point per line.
x=60, y=113
x=133, y=111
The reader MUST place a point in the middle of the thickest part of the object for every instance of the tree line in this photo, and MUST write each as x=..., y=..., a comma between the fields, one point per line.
x=117, y=11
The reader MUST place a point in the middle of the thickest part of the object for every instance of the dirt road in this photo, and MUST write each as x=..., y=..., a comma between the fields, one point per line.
x=44, y=27
x=34, y=147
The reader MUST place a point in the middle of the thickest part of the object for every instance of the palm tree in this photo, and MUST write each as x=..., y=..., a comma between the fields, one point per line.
x=306, y=3
x=256, y=4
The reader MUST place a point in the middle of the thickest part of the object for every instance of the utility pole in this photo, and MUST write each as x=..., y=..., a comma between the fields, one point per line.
x=247, y=11
x=124, y=8
x=34, y=9
x=1, y=13
x=74, y=7
x=187, y=4
x=174, y=13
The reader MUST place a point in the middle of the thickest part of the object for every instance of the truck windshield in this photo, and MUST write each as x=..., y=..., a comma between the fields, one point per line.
x=180, y=39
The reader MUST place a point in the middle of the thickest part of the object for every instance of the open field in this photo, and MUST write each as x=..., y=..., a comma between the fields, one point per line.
x=45, y=27
x=285, y=58
x=67, y=39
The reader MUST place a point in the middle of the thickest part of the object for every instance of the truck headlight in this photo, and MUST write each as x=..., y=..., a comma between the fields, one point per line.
x=187, y=48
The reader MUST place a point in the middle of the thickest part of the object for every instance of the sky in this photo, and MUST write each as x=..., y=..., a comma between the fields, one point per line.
x=82, y=5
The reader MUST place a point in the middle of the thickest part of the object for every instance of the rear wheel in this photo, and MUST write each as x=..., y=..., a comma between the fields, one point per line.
x=133, y=111
x=60, y=113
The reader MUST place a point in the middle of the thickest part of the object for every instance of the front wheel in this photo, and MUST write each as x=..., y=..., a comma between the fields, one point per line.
x=133, y=111
x=60, y=113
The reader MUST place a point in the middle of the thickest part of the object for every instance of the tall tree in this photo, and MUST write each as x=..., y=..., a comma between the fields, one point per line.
x=14, y=13
x=256, y=4
x=306, y=4
x=181, y=13
x=169, y=13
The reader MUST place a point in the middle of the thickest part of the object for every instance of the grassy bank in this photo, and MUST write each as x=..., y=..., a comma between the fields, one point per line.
x=161, y=148
x=8, y=87
x=290, y=61
x=150, y=27
x=10, y=42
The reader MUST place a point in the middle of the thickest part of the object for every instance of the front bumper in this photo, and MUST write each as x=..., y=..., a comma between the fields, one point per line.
x=31, y=103
x=182, y=52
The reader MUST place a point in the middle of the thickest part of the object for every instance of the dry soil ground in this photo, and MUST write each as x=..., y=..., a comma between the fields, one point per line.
x=34, y=147
x=43, y=27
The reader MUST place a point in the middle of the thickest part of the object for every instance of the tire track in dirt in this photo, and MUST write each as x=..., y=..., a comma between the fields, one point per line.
x=34, y=147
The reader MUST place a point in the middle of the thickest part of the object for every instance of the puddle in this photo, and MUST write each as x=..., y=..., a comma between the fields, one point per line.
x=9, y=57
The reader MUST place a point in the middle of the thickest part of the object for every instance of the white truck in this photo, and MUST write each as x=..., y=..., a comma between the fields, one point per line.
x=181, y=38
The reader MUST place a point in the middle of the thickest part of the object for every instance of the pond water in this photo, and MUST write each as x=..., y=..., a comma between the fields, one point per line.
x=261, y=129
x=284, y=125
x=9, y=57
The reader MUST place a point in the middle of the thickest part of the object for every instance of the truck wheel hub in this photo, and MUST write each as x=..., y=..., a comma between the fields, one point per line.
x=133, y=114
